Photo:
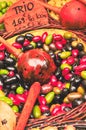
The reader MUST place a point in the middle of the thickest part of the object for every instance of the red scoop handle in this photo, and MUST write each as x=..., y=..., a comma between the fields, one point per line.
x=10, y=48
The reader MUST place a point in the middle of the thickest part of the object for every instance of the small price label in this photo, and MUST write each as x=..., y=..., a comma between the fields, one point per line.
x=25, y=14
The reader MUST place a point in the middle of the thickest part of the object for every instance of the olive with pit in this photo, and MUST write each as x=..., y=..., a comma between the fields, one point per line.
x=20, y=39
x=77, y=102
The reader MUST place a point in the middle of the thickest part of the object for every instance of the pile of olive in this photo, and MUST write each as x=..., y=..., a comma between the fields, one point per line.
x=67, y=86
x=4, y=5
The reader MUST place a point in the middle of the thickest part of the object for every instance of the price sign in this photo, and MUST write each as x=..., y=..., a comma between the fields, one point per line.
x=25, y=14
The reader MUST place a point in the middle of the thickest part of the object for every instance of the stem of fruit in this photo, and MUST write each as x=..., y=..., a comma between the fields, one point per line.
x=10, y=48
x=50, y=7
x=27, y=109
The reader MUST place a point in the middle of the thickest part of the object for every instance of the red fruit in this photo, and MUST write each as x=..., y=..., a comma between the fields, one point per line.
x=1, y=87
x=68, y=76
x=26, y=42
x=36, y=38
x=63, y=41
x=17, y=45
x=56, y=110
x=83, y=60
x=11, y=96
x=75, y=52
x=11, y=74
x=64, y=61
x=42, y=100
x=70, y=60
x=20, y=98
x=44, y=108
x=2, y=47
x=57, y=37
x=53, y=80
x=2, y=55
x=73, y=15
x=44, y=35
x=65, y=71
x=60, y=85
x=58, y=45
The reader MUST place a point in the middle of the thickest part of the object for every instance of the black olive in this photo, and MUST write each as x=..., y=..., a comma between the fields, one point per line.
x=77, y=102
x=6, y=91
x=64, y=92
x=9, y=61
x=72, y=88
x=28, y=47
x=80, y=46
x=7, y=54
x=72, y=78
x=84, y=83
x=58, y=99
x=1, y=81
x=39, y=44
x=29, y=36
x=20, y=106
x=11, y=80
x=57, y=62
x=4, y=76
x=68, y=47
x=11, y=68
x=81, y=54
x=84, y=97
x=31, y=116
x=12, y=91
x=67, y=108
x=77, y=80
x=58, y=73
x=13, y=86
x=7, y=86
x=20, y=39
x=1, y=64
x=53, y=56
x=46, y=113
x=26, y=86
x=73, y=39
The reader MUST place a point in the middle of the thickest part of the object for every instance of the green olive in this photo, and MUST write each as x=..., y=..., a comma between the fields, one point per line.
x=2, y=26
x=1, y=13
x=2, y=93
x=33, y=44
x=9, y=3
x=7, y=100
x=20, y=90
x=83, y=74
x=49, y=97
x=3, y=4
x=48, y=39
x=3, y=71
x=36, y=111
x=65, y=54
x=65, y=65
x=4, y=10
x=67, y=35
x=15, y=108
x=67, y=85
